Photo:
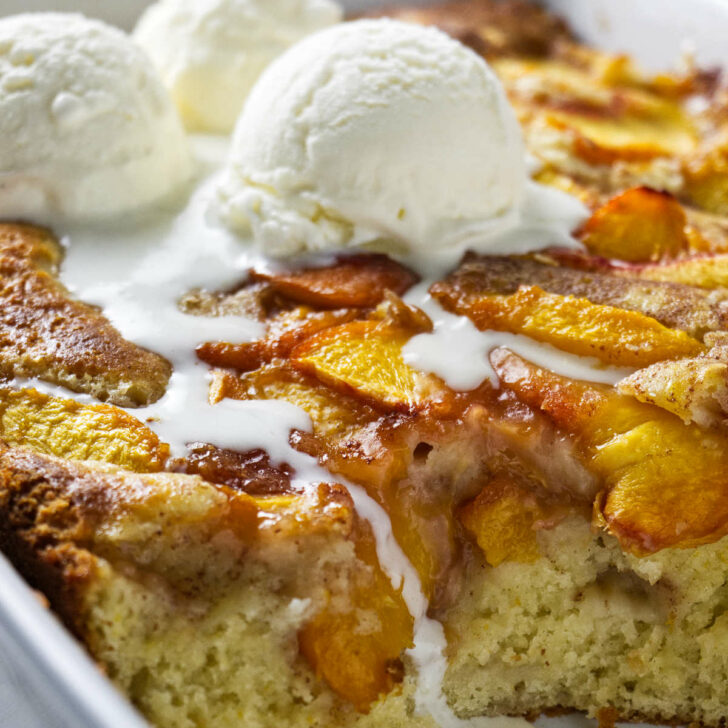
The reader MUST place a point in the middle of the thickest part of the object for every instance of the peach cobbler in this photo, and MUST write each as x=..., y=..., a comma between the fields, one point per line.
x=376, y=427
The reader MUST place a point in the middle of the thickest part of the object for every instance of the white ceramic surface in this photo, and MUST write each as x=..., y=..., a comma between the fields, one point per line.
x=46, y=680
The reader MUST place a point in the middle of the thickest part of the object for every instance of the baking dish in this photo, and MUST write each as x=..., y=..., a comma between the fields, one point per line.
x=53, y=678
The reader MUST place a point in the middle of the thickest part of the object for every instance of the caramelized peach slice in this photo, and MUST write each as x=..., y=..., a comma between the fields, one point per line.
x=323, y=509
x=357, y=647
x=569, y=403
x=637, y=126
x=677, y=306
x=638, y=225
x=606, y=123
x=502, y=519
x=286, y=331
x=664, y=481
x=245, y=357
x=356, y=281
x=613, y=335
x=364, y=358
x=67, y=429
x=592, y=412
x=332, y=414
x=666, y=486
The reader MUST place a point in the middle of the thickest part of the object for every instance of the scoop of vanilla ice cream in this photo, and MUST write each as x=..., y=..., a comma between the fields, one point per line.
x=87, y=128
x=211, y=52
x=374, y=129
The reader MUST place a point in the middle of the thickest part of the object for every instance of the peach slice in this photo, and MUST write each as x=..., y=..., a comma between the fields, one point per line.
x=568, y=403
x=594, y=413
x=599, y=281
x=604, y=123
x=645, y=126
x=357, y=648
x=358, y=281
x=664, y=481
x=364, y=358
x=702, y=270
x=332, y=414
x=638, y=225
x=502, y=519
x=612, y=335
x=666, y=486
x=67, y=429
x=286, y=331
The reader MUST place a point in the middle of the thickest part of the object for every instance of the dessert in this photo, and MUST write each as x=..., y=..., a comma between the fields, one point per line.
x=93, y=131
x=427, y=475
x=210, y=53
x=45, y=333
x=334, y=147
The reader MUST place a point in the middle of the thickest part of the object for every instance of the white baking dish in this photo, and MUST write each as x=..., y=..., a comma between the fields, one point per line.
x=46, y=679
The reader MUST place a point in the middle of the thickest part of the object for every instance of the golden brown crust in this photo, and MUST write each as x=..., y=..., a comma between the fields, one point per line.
x=696, y=390
x=69, y=527
x=45, y=333
x=39, y=528
x=76, y=491
x=47, y=502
